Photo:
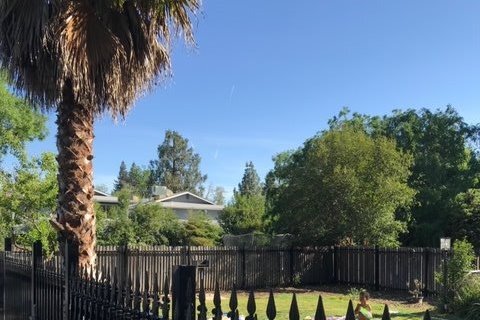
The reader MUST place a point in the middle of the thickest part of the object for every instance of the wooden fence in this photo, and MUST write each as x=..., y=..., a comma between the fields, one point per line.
x=388, y=268
x=42, y=289
x=377, y=268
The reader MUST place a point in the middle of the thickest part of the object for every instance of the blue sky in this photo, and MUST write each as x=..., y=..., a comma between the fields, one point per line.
x=266, y=75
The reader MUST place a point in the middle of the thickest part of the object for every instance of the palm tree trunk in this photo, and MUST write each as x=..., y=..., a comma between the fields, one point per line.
x=75, y=214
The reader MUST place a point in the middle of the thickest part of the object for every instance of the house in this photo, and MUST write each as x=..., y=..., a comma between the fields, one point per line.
x=185, y=202
x=182, y=203
x=104, y=199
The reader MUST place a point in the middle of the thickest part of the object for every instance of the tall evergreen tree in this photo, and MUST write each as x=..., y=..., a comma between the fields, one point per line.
x=250, y=185
x=139, y=179
x=219, y=196
x=123, y=178
x=177, y=166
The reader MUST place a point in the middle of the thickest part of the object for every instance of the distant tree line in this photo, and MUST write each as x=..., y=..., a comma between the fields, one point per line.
x=407, y=178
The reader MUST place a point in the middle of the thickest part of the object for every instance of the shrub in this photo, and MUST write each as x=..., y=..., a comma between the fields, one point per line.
x=201, y=230
x=458, y=266
x=467, y=302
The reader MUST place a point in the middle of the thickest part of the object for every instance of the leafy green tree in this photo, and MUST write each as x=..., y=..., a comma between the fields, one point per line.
x=122, y=179
x=201, y=231
x=28, y=198
x=444, y=162
x=19, y=123
x=83, y=59
x=250, y=185
x=342, y=187
x=177, y=166
x=114, y=225
x=244, y=214
x=155, y=225
x=117, y=231
x=466, y=217
x=275, y=183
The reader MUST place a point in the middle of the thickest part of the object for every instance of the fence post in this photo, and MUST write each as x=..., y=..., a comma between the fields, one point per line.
x=244, y=267
x=334, y=264
x=426, y=269
x=183, y=293
x=377, y=268
x=123, y=264
x=445, y=280
x=292, y=266
x=70, y=263
x=7, y=247
x=183, y=255
x=8, y=244
x=36, y=261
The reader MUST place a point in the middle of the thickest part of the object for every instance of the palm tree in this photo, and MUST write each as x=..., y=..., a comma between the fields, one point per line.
x=83, y=58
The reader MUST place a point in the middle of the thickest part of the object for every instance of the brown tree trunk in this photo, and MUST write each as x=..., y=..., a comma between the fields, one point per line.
x=75, y=214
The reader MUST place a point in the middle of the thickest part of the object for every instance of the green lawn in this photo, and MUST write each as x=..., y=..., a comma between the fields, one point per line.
x=335, y=305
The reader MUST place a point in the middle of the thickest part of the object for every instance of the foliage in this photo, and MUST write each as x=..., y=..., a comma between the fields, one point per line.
x=466, y=216
x=354, y=293
x=244, y=214
x=155, y=225
x=458, y=266
x=122, y=179
x=219, y=196
x=342, y=187
x=177, y=166
x=467, y=302
x=24, y=208
x=246, y=211
x=136, y=180
x=114, y=226
x=19, y=124
x=444, y=163
x=297, y=279
x=201, y=230
x=250, y=185
x=44, y=47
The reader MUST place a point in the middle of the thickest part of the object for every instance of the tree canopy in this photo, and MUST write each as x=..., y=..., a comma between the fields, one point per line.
x=245, y=212
x=19, y=123
x=250, y=184
x=341, y=187
x=24, y=211
x=177, y=166
x=445, y=163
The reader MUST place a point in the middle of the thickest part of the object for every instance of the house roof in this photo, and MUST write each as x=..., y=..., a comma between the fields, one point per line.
x=177, y=195
x=192, y=206
x=100, y=193
x=105, y=198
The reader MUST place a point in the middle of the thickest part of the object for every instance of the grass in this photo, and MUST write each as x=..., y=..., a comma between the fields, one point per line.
x=335, y=304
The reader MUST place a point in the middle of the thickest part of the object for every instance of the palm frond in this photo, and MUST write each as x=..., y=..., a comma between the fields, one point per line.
x=111, y=51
